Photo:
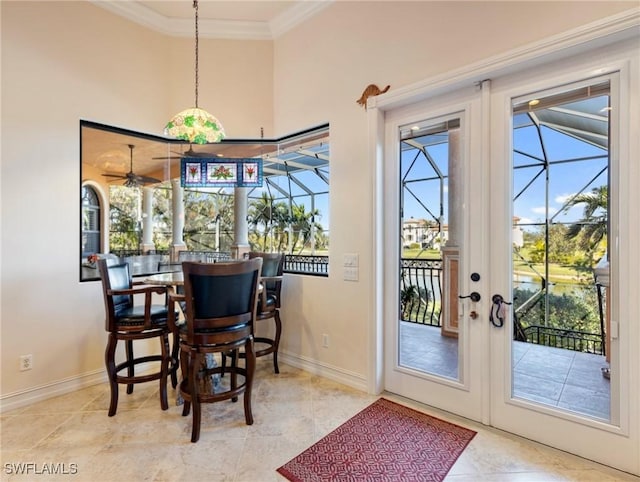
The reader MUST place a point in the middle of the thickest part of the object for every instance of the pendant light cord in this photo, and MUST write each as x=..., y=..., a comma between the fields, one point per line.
x=195, y=5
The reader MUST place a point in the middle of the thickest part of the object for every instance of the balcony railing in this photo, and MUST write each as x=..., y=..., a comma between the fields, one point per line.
x=306, y=264
x=567, y=339
x=294, y=263
x=420, y=302
x=421, y=291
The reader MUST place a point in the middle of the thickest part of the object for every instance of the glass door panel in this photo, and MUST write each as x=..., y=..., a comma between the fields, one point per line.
x=560, y=233
x=429, y=153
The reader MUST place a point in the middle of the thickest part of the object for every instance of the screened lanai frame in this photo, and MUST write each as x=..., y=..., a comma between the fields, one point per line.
x=572, y=121
x=578, y=117
x=298, y=174
x=295, y=165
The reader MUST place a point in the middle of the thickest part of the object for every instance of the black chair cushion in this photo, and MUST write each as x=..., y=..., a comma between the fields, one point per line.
x=135, y=315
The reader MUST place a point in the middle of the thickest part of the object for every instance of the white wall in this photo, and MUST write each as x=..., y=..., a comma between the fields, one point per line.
x=65, y=61
x=346, y=47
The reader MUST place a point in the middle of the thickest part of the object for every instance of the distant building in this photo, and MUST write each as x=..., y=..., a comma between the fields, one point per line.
x=427, y=234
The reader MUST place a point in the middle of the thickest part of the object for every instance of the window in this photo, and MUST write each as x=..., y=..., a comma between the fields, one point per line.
x=90, y=221
x=289, y=213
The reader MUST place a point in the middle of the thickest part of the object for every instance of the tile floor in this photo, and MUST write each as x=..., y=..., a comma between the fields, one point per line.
x=560, y=378
x=291, y=411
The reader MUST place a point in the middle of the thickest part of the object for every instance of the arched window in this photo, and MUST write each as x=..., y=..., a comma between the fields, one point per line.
x=90, y=221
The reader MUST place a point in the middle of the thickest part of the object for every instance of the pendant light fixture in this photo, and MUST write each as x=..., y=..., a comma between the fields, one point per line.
x=195, y=125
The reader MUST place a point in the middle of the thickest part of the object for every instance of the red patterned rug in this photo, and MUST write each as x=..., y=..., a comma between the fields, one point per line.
x=384, y=442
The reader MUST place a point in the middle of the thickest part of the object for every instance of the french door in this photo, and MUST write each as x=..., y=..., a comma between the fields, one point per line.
x=505, y=233
x=431, y=210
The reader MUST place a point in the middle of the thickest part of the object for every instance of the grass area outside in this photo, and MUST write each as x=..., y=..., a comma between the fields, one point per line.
x=433, y=254
x=557, y=273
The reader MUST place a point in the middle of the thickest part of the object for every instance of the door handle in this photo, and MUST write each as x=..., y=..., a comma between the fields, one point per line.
x=498, y=309
x=475, y=297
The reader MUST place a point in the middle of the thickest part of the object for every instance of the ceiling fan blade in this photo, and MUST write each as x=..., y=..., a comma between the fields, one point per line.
x=146, y=179
x=189, y=153
x=119, y=176
x=176, y=155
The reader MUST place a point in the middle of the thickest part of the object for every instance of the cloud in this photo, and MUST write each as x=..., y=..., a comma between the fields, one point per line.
x=563, y=198
x=542, y=210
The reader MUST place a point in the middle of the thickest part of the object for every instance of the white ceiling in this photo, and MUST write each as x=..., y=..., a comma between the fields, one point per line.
x=237, y=19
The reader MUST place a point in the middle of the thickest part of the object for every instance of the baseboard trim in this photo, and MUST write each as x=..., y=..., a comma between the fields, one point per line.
x=351, y=379
x=23, y=398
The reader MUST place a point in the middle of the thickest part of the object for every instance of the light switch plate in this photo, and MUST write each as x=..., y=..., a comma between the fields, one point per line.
x=350, y=274
x=351, y=259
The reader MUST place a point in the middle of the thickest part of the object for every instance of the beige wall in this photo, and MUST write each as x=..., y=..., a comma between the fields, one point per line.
x=62, y=62
x=65, y=61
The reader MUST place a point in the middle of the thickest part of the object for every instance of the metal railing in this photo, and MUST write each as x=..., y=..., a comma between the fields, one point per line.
x=567, y=339
x=421, y=291
x=123, y=253
x=294, y=263
x=306, y=264
x=420, y=302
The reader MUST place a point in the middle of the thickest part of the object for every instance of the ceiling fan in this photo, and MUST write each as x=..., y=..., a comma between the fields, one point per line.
x=132, y=179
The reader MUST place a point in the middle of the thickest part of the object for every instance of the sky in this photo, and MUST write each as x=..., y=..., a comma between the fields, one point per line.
x=565, y=179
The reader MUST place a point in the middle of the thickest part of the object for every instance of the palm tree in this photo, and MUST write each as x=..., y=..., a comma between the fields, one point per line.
x=302, y=225
x=261, y=212
x=592, y=228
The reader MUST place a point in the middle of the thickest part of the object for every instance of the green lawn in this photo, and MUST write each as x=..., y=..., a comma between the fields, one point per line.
x=557, y=273
x=421, y=254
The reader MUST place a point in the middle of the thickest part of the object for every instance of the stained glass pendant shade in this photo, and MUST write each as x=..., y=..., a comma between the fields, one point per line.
x=195, y=125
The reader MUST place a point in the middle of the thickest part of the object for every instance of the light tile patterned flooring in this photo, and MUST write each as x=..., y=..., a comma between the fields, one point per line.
x=292, y=410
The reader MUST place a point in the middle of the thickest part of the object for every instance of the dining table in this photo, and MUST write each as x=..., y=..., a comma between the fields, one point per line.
x=171, y=279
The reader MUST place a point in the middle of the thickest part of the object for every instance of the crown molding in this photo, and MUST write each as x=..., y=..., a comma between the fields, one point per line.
x=209, y=28
x=616, y=28
x=295, y=15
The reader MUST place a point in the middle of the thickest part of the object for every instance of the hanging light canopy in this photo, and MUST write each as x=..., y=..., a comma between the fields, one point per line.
x=195, y=125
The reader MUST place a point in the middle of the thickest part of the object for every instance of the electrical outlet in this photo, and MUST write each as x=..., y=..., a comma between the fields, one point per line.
x=325, y=341
x=26, y=362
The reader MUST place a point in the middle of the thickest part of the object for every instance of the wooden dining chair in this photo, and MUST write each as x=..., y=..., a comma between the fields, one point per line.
x=221, y=300
x=128, y=322
x=269, y=303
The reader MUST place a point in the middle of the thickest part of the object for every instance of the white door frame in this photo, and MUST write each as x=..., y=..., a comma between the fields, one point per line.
x=594, y=39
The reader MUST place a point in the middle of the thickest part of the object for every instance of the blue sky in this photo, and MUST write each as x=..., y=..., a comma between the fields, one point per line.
x=565, y=178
